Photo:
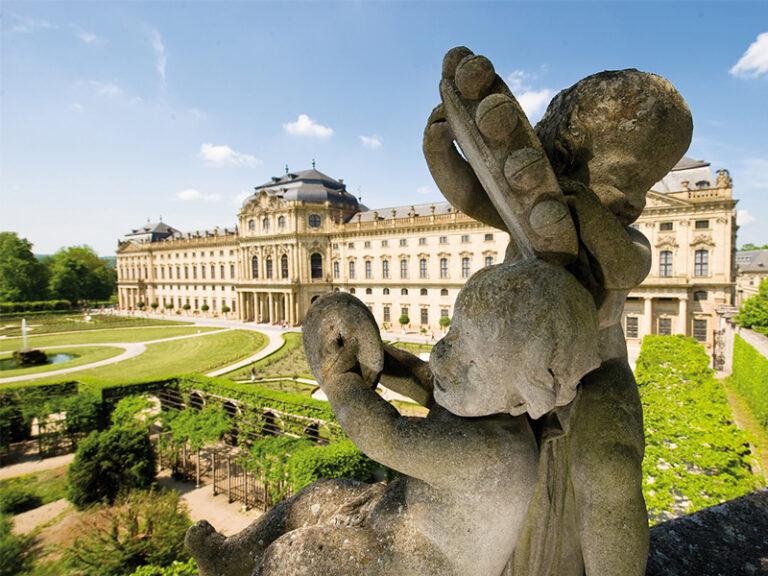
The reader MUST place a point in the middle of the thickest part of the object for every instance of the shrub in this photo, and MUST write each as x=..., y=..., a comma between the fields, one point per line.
x=17, y=498
x=185, y=306
x=695, y=456
x=154, y=305
x=205, y=308
x=83, y=414
x=338, y=460
x=404, y=319
x=110, y=463
x=444, y=321
x=140, y=304
x=188, y=568
x=132, y=411
x=14, y=557
x=143, y=528
x=197, y=428
x=225, y=309
x=35, y=306
x=750, y=379
x=169, y=306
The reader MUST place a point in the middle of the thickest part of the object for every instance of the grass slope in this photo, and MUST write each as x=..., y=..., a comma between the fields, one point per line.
x=85, y=355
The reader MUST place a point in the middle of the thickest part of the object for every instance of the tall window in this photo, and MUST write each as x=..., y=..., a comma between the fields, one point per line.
x=443, y=291
x=665, y=326
x=403, y=291
x=403, y=242
x=424, y=316
x=385, y=268
x=194, y=272
x=665, y=226
x=254, y=267
x=251, y=225
x=213, y=271
x=443, y=267
x=386, y=314
x=700, y=329
x=701, y=263
x=465, y=267
x=221, y=271
x=403, y=268
x=368, y=269
x=316, y=265
x=665, y=263
x=269, y=267
x=631, y=325
x=336, y=270
x=385, y=291
x=352, y=269
x=284, y=266
x=489, y=260
x=231, y=271
x=265, y=224
x=423, y=268
x=281, y=222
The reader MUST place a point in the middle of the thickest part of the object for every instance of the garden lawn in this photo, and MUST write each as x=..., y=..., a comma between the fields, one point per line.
x=198, y=354
x=51, y=323
x=414, y=348
x=84, y=355
x=104, y=336
x=288, y=361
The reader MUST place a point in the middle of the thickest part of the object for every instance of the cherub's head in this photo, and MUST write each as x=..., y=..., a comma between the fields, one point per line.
x=523, y=335
x=618, y=132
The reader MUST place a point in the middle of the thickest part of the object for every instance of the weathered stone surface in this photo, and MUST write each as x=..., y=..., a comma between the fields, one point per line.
x=730, y=539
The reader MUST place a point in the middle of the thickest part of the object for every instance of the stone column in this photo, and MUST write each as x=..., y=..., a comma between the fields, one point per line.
x=683, y=315
x=647, y=316
x=270, y=308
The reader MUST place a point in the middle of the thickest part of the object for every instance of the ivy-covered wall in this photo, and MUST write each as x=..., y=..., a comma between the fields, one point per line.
x=750, y=378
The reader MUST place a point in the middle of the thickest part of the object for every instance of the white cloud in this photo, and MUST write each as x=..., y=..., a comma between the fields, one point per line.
x=743, y=217
x=372, y=142
x=534, y=102
x=223, y=155
x=77, y=106
x=28, y=25
x=85, y=36
x=754, y=62
x=192, y=194
x=105, y=88
x=425, y=190
x=516, y=80
x=157, y=45
x=305, y=126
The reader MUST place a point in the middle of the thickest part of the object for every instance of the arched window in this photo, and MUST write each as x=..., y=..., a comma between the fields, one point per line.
x=351, y=290
x=423, y=268
x=699, y=295
x=369, y=291
x=284, y=266
x=281, y=222
x=443, y=267
x=489, y=260
x=403, y=268
x=444, y=292
x=385, y=291
x=352, y=269
x=665, y=263
x=316, y=265
x=701, y=263
x=465, y=267
x=269, y=267
x=254, y=267
x=314, y=221
x=423, y=292
x=336, y=272
x=385, y=268
x=265, y=224
x=251, y=225
x=403, y=291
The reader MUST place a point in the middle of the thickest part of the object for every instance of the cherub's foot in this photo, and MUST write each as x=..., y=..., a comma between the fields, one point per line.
x=500, y=145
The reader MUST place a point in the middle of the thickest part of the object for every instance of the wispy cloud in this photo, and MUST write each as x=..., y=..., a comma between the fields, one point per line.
x=161, y=58
x=29, y=25
x=105, y=88
x=240, y=197
x=192, y=194
x=533, y=101
x=77, y=106
x=223, y=155
x=743, y=217
x=372, y=142
x=425, y=190
x=305, y=126
x=754, y=62
x=85, y=36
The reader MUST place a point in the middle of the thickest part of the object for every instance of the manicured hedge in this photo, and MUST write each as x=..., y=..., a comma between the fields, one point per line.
x=695, y=455
x=750, y=379
x=37, y=306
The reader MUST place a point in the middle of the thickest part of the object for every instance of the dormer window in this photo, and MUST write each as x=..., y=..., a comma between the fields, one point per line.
x=314, y=221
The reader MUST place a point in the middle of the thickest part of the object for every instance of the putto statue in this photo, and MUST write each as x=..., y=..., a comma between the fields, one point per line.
x=529, y=462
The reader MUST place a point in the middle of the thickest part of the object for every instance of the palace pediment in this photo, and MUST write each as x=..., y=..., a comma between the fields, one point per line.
x=660, y=201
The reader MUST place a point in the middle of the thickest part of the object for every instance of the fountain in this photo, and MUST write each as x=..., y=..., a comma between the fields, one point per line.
x=28, y=356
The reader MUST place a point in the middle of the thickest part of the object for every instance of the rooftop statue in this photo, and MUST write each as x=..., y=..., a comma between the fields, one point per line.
x=529, y=462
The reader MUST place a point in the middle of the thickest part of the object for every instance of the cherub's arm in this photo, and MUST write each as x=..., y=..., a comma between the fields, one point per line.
x=453, y=175
x=623, y=253
x=407, y=374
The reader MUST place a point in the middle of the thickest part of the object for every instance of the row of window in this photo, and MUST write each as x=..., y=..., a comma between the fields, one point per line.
x=194, y=303
x=422, y=241
x=386, y=315
x=313, y=220
x=698, y=225
x=160, y=272
x=403, y=291
x=700, y=263
x=664, y=327
x=423, y=268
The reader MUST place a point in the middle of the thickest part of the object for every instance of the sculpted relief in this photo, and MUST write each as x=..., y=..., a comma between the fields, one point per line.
x=529, y=462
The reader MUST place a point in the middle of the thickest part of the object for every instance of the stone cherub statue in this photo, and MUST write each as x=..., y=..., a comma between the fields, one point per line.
x=529, y=461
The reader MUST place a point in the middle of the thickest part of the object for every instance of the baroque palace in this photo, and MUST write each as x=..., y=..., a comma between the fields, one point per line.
x=302, y=234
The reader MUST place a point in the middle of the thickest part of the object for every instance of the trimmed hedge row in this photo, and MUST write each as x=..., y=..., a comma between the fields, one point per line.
x=36, y=306
x=750, y=379
x=695, y=456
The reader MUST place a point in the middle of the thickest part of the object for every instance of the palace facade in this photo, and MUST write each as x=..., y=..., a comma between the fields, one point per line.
x=303, y=234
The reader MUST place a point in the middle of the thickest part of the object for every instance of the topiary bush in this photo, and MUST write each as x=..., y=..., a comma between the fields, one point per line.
x=403, y=320
x=225, y=309
x=111, y=463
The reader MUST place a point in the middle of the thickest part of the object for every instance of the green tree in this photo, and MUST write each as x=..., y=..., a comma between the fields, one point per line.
x=77, y=273
x=23, y=278
x=83, y=414
x=749, y=246
x=403, y=320
x=754, y=312
x=143, y=528
x=444, y=321
x=133, y=411
x=14, y=558
x=110, y=463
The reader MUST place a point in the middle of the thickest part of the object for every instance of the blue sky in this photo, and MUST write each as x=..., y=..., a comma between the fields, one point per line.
x=115, y=112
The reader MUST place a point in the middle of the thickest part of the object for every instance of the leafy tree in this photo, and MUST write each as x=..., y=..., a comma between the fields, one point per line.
x=754, y=312
x=225, y=309
x=110, y=463
x=14, y=557
x=154, y=305
x=749, y=246
x=143, y=528
x=132, y=411
x=23, y=278
x=197, y=428
x=404, y=319
x=83, y=414
x=77, y=273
